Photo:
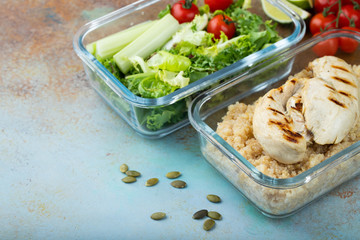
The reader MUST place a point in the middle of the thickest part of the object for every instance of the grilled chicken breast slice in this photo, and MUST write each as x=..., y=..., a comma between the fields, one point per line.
x=274, y=124
x=330, y=100
x=329, y=114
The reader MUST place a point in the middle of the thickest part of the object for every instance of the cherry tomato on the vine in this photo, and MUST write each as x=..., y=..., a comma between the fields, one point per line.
x=184, y=11
x=221, y=23
x=349, y=12
x=319, y=23
x=346, y=2
x=218, y=4
x=327, y=47
x=320, y=5
x=347, y=44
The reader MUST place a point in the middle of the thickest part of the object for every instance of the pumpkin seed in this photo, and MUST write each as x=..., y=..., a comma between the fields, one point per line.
x=213, y=198
x=124, y=168
x=200, y=214
x=178, y=184
x=132, y=173
x=129, y=179
x=214, y=215
x=173, y=174
x=151, y=182
x=158, y=215
x=208, y=224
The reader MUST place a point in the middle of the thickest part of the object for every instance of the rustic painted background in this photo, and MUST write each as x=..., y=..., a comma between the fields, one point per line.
x=61, y=148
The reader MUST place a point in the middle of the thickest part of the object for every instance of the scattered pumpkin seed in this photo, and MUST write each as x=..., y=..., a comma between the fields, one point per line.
x=214, y=215
x=178, y=184
x=208, y=224
x=151, y=182
x=173, y=174
x=129, y=179
x=200, y=214
x=132, y=173
x=213, y=198
x=158, y=215
x=124, y=168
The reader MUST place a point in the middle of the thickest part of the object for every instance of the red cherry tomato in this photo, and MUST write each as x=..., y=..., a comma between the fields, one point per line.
x=221, y=23
x=349, y=45
x=320, y=5
x=346, y=2
x=184, y=11
x=319, y=23
x=218, y=4
x=327, y=47
x=348, y=12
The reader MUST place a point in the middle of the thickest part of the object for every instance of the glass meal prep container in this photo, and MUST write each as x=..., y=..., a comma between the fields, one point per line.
x=136, y=110
x=274, y=197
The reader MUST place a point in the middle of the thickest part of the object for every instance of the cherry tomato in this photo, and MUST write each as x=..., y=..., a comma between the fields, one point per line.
x=348, y=12
x=319, y=6
x=319, y=23
x=327, y=47
x=184, y=11
x=349, y=45
x=218, y=4
x=221, y=23
x=346, y=2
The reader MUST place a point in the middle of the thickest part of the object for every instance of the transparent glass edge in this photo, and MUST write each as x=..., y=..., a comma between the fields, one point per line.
x=120, y=89
x=224, y=147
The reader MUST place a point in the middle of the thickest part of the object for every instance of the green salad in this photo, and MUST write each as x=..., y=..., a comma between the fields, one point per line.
x=155, y=58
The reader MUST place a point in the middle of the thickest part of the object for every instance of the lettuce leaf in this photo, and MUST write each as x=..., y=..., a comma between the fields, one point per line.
x=167, y=61
x=173, y=78
x=158, y=117
x=165, y=11
x=111, y=66
x=192, y=32
x=133, y=81
x=216, y=57
x=148, y=85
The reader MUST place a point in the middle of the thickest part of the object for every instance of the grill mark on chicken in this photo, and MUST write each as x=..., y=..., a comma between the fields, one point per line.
x=275, y=111
x=328, y=86
x=281, y=89
x=288, y=121
x=293, y=81
x=343, y=81
x=288, y=134
x=271, y=97
x=337, y=102
x=280, y=124
x=298, y=106
x=340, y=68
x=290, y=139
x=346, y=94
x=291, y=133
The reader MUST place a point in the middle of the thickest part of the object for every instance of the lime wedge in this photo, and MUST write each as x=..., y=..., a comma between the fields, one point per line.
x=303, y=4
x=276, y=14
x=246, y=4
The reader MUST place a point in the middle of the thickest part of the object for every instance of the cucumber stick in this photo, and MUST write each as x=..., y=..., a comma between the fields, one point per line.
x=106, y=47
x=91, y=47
x=144, y=45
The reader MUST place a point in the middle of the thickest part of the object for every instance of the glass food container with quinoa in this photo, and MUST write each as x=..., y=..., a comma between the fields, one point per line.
x=287, y=131
x=151, y=74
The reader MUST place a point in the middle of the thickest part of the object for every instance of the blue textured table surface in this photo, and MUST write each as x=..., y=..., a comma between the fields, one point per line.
x=61, y=148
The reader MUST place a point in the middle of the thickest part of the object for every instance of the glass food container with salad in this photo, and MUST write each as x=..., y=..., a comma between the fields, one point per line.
x=306, y=141
x=149, y=59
